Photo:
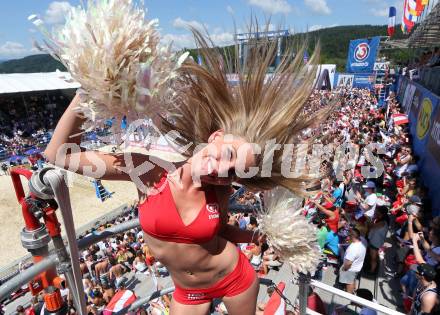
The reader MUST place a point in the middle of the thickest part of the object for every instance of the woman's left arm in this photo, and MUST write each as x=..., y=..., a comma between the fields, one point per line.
x=236, y=235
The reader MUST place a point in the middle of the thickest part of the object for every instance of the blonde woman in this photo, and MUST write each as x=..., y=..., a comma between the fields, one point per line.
x=185, y=222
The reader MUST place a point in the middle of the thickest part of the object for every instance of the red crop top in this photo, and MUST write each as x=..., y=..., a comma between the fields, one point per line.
x=159, y=218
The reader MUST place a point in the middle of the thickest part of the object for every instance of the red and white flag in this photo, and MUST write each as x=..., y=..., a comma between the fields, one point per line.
x=400, y=119
x=121, y=300
x=276, y=304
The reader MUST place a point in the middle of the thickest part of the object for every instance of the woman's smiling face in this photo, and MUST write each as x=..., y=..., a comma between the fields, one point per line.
x=219, y=160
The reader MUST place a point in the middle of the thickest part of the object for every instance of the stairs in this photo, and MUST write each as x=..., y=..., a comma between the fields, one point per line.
x=101, y=193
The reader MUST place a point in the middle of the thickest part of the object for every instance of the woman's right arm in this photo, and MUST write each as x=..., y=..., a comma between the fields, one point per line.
x=64, y=151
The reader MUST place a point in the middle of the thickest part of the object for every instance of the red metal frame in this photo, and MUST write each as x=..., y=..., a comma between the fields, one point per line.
x=50, y=277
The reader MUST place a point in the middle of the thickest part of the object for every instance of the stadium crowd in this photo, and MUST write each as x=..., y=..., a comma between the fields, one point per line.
x=23, y=126
x=362, y=208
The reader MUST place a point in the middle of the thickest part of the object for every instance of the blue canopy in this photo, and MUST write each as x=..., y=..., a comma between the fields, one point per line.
x=32, y=151
x=15, y=158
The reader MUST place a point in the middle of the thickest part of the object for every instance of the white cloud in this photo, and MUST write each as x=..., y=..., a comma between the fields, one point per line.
x=315, y=27
x=57, y=11
x=178, y=41
x=12, y=49
x=380, y=8
x=230, y=9
x=219, y=37
x=380, y=12
x=223, y=38
x=181, y=23
x=272, y=6
x=319, y=27
x=35, y=50
x=318, y=6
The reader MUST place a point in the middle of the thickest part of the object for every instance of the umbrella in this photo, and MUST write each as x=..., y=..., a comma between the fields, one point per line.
x=15, y=158
x=32, y=151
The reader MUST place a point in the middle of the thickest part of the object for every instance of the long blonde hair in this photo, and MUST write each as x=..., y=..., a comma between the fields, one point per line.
x=258, y=109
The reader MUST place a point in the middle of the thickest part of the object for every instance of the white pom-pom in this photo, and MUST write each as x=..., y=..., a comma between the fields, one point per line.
x=113, y=52
x=290, y=234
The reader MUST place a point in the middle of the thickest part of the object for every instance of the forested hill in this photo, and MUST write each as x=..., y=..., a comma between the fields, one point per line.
x=31, y=64
x=334, y=46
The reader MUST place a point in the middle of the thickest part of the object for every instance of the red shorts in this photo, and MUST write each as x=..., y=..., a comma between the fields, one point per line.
x=236, y=282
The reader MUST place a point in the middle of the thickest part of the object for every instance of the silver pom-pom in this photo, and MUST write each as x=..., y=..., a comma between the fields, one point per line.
x=288, y=231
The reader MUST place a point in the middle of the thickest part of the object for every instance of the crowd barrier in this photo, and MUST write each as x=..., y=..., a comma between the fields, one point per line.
x=422, y=107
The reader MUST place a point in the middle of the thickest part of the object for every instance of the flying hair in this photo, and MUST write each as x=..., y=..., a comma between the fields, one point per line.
x=258, y=109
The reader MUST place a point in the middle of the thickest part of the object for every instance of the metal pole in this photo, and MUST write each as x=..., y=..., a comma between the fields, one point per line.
x=27, y=275
x=55, y=180
x=99, y=236
x=303, y=293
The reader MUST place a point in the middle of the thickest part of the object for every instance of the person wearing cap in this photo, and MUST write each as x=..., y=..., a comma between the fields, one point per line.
x=331, y=213
x=368, y=204
x=426, y=296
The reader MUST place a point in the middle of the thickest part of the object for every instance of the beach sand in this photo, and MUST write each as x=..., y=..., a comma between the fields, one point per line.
x=86, y=207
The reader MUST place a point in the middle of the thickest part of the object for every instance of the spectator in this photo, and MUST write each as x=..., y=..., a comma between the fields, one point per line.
x=376, y=235
x=367, y=204
x=353, y=261
x=331, y=213
x=426, y=296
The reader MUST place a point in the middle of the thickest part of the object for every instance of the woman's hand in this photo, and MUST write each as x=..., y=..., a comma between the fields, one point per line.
x=262, y=239
x=415, y=238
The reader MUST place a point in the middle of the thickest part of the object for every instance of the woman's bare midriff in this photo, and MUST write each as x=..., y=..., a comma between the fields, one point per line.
x=195, y=265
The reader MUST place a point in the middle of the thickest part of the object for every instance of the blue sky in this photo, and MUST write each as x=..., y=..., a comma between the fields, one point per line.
x=17, y=34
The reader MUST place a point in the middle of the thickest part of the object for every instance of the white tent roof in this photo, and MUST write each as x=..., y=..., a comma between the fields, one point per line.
x=28, y=82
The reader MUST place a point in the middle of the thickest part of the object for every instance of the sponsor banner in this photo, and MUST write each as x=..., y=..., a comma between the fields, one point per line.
x=331, y=72
x=345, y=80
x=362, y=55
x=434, y=138
x=358, y=80
x=408, y=97
x=403, y=82
x=424, y=117
x=415, y=103
x=381, y=66
x=364, y=81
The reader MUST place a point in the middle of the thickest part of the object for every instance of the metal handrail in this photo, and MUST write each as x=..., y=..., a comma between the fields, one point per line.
x=98, y=236
x=29, y=274
x=354, y=298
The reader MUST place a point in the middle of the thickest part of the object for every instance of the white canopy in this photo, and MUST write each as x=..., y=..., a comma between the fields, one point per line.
x=28, y=82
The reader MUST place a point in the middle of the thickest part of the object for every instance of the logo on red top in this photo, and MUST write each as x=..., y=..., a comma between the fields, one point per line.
x=213, y=209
